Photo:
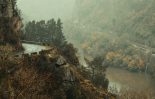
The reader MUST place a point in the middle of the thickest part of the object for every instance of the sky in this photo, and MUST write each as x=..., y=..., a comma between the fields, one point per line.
x=45, y=9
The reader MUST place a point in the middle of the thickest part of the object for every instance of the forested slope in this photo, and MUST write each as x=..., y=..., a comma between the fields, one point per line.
x=136, y=18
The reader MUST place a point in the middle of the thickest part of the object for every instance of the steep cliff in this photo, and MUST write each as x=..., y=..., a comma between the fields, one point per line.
x=10, y=24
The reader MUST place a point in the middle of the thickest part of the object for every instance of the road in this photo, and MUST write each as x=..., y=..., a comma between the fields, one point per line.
x=30, y=48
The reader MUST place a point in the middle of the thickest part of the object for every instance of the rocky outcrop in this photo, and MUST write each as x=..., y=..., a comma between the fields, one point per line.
x=10, y=24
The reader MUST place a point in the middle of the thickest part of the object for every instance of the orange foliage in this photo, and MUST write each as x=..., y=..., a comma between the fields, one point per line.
x=141, y=63
x=110, y=55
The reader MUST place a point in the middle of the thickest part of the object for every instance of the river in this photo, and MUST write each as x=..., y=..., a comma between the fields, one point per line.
x=121, y=79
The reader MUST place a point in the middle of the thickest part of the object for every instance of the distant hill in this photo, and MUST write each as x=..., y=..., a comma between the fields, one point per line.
x=134, y=18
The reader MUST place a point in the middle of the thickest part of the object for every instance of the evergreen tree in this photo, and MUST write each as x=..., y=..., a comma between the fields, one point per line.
x=51, y=29
x=60, y=39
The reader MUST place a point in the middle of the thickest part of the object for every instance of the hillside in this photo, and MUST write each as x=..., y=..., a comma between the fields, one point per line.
x=134, y=18
x=105, y=26
x=45, y=75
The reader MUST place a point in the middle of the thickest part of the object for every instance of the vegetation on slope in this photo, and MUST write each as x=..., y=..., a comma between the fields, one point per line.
x=10, y=25
x=44, y=76
x=120, y=27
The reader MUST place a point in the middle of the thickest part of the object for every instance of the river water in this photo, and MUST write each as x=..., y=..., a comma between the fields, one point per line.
x=121, y=79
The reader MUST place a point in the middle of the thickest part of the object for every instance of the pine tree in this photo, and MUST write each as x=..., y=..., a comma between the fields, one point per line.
x=51, y=29
x=60, y=38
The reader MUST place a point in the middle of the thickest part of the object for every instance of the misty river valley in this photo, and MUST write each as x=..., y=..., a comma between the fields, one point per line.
x=77, y=49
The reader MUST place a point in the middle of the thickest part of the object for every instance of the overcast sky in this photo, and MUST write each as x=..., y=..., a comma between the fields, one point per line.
x=45, y=9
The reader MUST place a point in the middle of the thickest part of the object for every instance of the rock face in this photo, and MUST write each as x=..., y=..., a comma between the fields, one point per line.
x=6, y=8
x=10, y=23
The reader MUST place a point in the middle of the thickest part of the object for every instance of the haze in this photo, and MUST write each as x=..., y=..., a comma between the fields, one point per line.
x=45, y=9
x=107, y=33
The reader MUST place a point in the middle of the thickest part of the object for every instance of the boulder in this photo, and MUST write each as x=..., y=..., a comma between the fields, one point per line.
x=61, y=61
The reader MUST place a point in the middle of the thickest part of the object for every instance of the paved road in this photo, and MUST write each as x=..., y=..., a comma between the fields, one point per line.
x=30, y=48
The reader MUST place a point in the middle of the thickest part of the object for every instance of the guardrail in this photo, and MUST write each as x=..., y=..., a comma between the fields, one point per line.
x=30, y=42
x=37, y=43
x=32, y=57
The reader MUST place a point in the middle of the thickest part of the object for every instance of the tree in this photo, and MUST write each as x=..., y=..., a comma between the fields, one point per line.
x=51, y=29
x=60, y=38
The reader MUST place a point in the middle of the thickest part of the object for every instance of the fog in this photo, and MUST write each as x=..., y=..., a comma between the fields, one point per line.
x=82, y=49
x=45, y=9
x=119, y=31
